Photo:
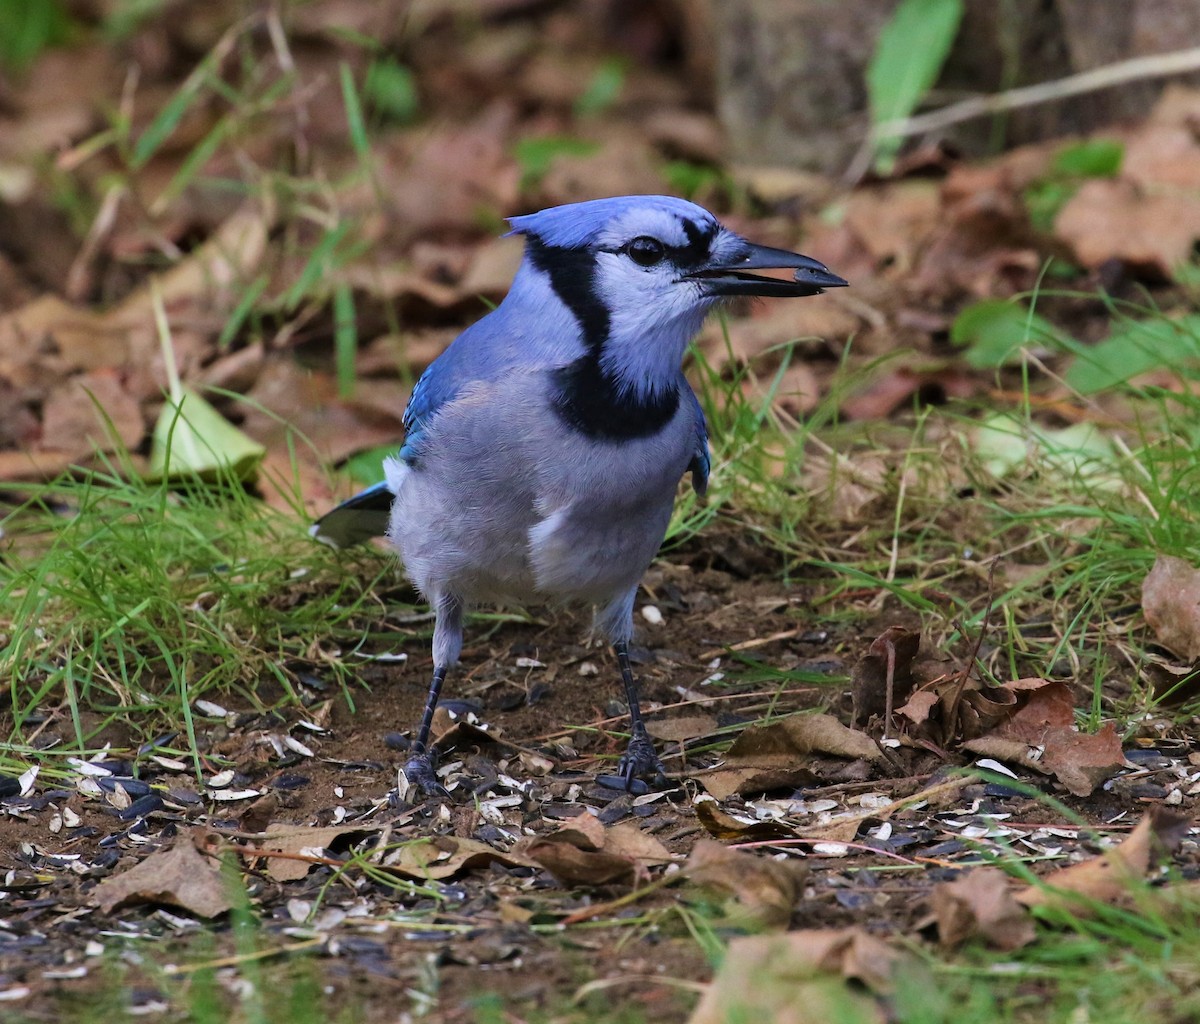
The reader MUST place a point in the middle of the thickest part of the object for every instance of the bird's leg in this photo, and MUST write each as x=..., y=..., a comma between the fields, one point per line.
x=447, y=644
x=640, y=758
x=419, y=767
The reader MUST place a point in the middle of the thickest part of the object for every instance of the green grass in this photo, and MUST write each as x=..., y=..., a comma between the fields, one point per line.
x=146, y=597
x=122, y=600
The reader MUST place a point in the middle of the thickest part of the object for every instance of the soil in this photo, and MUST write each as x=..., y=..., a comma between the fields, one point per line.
x=493, y=934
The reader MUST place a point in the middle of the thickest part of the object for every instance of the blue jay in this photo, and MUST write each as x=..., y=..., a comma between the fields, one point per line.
x=544, y=447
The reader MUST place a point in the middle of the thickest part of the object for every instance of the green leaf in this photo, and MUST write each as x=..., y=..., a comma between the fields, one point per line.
x=366, y=468
x=1004, y=443
x=909, y=54
x=993, y=331
x=686, y=179
x=534, y=156
x=1094, y=158
x=391, y=90
x=603, y=90
x=1137, y=349
x=1043, y=200
x=192, y=439
x=27, y=27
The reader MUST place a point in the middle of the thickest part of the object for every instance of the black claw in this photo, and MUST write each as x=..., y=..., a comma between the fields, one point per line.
x=422, y=778
x=638, y=763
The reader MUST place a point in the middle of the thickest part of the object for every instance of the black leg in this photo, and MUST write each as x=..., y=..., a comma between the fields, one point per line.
x=639, y=759
x=419, y=767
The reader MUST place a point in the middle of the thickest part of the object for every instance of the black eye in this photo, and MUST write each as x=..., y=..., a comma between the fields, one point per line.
x=646, y=251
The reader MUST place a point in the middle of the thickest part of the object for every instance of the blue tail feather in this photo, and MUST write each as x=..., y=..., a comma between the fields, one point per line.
x=356, y=520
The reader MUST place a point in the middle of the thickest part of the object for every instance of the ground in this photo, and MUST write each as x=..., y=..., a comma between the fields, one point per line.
x=966, y=480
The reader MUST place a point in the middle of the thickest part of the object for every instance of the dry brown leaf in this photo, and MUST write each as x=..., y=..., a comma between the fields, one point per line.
x=887, y=664
x=586, y=852
x=759, y=892
x=773, y=756
x=91, y=411
x=1171, y=604
x=895, y=219
x=1041, y=735
x=1113, y=219
x=287, y=839
x=424, y=199
x=215, y=271
x=1081, y=761
x=49, y=337
x=1163, y=154
x=180, y=876
x=725, y=826
x=443, y=857
x=888, y=391
x=27, y=464
x=916, y=709
x=679, y=730
x=1108, y=877
x=803, y=977
x=980, y=903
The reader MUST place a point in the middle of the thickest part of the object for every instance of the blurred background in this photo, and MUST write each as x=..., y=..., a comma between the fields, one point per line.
x=318, y=190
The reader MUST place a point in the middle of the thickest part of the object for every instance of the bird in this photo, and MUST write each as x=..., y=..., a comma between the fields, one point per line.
x=544, y=447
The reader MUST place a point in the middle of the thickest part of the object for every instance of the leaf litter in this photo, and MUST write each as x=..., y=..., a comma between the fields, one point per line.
x=818, y=804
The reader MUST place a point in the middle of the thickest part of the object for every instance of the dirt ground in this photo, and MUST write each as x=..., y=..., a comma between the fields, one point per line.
x=536, y=893
x=500, y=932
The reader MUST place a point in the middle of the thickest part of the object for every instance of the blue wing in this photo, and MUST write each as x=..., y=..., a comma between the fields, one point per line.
x=701, y=462
x=481, y=352
x=475, y=354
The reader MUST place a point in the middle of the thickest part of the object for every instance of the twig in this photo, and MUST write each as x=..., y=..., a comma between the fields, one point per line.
x=1158, y=65
x=969, y=665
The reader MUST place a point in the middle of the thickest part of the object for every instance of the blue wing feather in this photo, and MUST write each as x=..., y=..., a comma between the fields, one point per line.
x=701, y=462
x=481, y=352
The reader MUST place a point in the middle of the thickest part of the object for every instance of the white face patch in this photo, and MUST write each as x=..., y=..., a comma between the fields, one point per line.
x=665, y=225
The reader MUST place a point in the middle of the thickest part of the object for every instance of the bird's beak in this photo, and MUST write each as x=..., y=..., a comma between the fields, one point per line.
x=730, y=278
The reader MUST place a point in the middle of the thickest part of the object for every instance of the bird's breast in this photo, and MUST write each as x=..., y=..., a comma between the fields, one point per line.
x=508, y=501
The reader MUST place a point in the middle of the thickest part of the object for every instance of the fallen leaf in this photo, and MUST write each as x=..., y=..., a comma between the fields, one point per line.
x=192, y=439
x=587, y=852
x=772, y=756
x=1081, y=761
x=887, y=665
x=723, y=825
x=1151, y=230
x=917, y=708
x=1108, y=877
x=292, y=841
x=1041, y=734
x=679, y=730
x=759, y=892
x=443, y=857
x=888, y=391
x=980, y=903
x=1171, y=604
x=180, y=876
x=804, y=976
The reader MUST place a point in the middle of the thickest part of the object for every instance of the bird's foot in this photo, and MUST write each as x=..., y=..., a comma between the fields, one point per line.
x=639, y=763
x=422, y=779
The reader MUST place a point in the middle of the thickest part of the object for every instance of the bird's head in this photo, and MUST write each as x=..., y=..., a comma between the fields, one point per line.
x=637, y=274
x=657, y=253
